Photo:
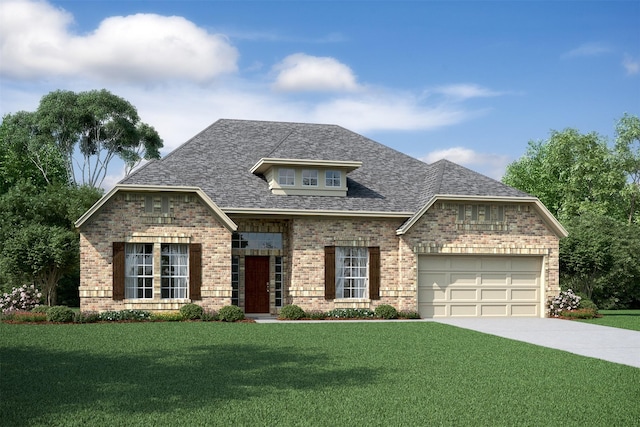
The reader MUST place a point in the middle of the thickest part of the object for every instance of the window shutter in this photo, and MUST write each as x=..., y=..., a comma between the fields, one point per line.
x=118, y=271
x=374, y=273
x=195, y=271
x=329, y=272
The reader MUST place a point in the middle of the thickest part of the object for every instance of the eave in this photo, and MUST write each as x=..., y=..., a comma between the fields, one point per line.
x=544, y=213
x=217, y=212
x=266, y=163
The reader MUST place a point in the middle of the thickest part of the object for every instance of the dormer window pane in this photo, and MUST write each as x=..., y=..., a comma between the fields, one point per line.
x=310, y=178
x=287, y=177
x=332, y=179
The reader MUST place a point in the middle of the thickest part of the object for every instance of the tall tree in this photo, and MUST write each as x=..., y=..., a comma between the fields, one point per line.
x=570, y=173
x=89, y=130
x=627, y=149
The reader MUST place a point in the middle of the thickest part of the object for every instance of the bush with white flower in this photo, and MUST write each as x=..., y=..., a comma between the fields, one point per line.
x=565, y=301
x=24, y=298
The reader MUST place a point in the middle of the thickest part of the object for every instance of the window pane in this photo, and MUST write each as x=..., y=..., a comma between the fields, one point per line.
x=351, y=271
x=286, y=176
x=139, y=270
x=332, y=178
x=175, y=272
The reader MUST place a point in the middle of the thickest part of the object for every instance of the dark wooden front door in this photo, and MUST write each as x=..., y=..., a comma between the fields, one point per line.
x=256, y=284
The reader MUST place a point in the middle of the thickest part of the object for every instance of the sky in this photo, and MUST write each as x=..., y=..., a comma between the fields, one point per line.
x=470, y=81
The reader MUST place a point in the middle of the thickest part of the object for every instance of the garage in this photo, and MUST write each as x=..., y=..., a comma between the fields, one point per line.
x=479, y=286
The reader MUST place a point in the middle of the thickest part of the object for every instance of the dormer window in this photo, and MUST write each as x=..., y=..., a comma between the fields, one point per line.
x=332, y=179
x=302, y=177
x=309, y=178
x=287, y=177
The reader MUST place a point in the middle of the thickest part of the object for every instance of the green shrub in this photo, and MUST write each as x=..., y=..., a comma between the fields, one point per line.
x=60, y=313
x=351, y=313
x=386, y=311
x=167, y=316
x=209, y=316
x=191, y=311
x=587, y=303
x=230, y=313
x=408, y=314
x=40, y=309
x=87, y=317
x=580, y=313
x=315, y=315
x=21, y=316
x=291, y=312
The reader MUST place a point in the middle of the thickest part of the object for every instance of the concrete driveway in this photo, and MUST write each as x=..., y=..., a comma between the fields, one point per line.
x=602, y=342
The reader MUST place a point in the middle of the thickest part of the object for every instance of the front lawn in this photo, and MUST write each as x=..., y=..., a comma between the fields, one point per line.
x=322, y=374
x=625, y=319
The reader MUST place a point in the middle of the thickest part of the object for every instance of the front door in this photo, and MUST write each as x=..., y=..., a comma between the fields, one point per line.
x=256, y=284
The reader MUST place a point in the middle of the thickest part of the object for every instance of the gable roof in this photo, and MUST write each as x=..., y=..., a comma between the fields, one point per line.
x=221, y=160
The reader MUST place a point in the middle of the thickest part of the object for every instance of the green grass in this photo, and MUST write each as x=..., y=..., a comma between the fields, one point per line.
x=625, y=319
x=324, y=374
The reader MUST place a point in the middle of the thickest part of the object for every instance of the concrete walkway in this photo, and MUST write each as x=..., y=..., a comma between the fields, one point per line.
x=601, y=342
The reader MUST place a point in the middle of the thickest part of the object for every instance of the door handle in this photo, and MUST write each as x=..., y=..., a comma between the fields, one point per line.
x=267, y=286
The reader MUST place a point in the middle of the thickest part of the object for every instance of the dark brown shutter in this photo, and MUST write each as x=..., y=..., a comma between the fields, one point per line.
x=329, y=272
x=118, y=271
x=195, y=271
x=374, y=273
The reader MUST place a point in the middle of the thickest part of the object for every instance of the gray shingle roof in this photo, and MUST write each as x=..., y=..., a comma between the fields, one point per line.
x=218, y=160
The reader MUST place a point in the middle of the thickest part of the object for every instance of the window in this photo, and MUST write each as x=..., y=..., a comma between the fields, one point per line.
x=351, y=272
x=174, y=260
x=256, y=241
x=235, y=279
x=286, y=177
x=332, y=179
x=310, y=178
x=139, y=270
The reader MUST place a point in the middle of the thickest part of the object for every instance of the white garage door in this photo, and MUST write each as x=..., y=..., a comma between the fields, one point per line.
x=479, y=286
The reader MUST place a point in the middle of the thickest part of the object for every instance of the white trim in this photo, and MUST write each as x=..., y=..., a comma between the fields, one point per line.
x=218, y=213
x=303, y=212
x=547, y=217
x=265, y=163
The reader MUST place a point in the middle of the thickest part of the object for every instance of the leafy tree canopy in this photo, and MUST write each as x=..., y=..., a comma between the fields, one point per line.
x=88, y=129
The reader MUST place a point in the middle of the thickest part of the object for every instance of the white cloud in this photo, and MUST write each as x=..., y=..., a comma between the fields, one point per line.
x=631, y=65
x=464, y=91
x=588, y=49
x=301, y=73
x=36, y=43
x=490, y=164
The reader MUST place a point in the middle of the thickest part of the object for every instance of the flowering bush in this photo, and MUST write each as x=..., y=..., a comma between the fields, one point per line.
x=350, y=313
x=23, y=298
x=565, y=301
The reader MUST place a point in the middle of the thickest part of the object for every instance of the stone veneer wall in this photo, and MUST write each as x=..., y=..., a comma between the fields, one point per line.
x=522, y=232
x=309, y=236
x=126, y=218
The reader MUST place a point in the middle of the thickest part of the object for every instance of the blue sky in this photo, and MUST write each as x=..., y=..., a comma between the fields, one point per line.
x=469, y=81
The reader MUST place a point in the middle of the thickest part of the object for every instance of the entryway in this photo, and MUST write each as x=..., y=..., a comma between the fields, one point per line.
x=256, y=284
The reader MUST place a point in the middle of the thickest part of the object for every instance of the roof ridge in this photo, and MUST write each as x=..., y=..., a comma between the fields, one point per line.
x=279, y=143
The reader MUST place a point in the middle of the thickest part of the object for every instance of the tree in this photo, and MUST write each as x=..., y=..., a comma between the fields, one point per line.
x=38, y=243
x=88, y=129
x=570, y=173
x=627, y=149
x=27, y=154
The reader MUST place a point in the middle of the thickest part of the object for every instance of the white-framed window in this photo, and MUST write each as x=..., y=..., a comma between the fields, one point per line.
x=351, y=272
x=139, y=270
x=174, y=261
x=286, y=176
x=309, y=178
x=332, y=179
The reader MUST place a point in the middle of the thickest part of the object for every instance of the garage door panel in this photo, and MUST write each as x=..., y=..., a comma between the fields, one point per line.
x=493, y=310
x=462, y=279
x=494, y=279
x=473, y=286
x=493, y=294
x=524, y=295
x=463, y=294
x=524, y=310
x=463, y=310
x=432, y=295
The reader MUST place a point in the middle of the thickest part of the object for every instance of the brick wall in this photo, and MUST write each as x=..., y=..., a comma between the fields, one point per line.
x=152, y=218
